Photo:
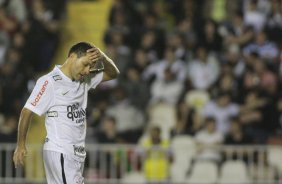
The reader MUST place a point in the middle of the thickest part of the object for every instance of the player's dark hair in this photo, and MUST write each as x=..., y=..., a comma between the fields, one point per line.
x=80, y=49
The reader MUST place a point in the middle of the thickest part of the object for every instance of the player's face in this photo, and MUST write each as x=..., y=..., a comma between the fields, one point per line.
x=81, y=68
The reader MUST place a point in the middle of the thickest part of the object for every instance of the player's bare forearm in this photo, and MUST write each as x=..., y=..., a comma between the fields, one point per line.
x=24, y=122
x=110, y=69
x=20, y=151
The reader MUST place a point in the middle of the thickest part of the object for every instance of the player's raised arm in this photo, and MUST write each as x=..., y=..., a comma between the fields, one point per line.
x=21, y=151
x=110, y=69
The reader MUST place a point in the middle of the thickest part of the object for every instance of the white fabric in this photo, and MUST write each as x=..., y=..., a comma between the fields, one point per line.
x=64, y=102
x=203, y=172
x=234, y=172
x=203, y=75
x=266, y=50
x=56, y=164
x=208, y=140
x=255, y=19
x=177, y=67
x=167, y=91
x=221, y=114
x=133, y=177
x=127, y=116
x=197, y=99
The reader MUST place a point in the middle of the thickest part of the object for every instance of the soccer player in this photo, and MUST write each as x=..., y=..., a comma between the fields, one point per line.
x=62, y=96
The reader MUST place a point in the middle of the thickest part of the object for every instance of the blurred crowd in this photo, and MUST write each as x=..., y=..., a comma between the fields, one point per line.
x=29, y=36
x=210, y=69
x=206, y=68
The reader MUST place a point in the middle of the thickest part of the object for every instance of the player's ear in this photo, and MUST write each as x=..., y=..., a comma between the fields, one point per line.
x=72, y=56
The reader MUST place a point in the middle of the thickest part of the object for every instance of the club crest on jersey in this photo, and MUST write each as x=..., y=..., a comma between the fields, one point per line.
x=39, y=95
x=57, y=77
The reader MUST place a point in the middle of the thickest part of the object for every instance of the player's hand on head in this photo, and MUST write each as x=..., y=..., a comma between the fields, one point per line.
x=94, y=54
x=19, y=156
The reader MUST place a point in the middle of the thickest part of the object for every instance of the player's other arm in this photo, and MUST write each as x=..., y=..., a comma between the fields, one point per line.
x=110, y=69
x=21, y=151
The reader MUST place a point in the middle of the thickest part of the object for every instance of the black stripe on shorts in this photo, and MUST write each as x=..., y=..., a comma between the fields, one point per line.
x=63, y=169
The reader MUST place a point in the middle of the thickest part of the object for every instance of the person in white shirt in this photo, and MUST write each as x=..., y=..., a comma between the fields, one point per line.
x=167, y=89
x=62, y=95
x=208, y=139
x=204, y=70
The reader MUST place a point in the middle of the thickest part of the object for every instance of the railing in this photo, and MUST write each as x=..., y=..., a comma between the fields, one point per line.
x=112, y=163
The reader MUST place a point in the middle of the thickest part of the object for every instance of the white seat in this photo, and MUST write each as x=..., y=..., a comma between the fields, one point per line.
x=184, y=149
x=178, y=171
x=183, y=143
x=203, y=172
x=162, y=115
x=134, y=178
x=274, y=157
x=233, y=172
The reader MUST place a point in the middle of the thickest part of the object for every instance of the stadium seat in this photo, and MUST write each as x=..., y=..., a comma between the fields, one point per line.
x=203, y=172
x=134, y=178
x=274, y=157
x=184, y=149
x=162, y=115
x=178, y=172
x=233, y=172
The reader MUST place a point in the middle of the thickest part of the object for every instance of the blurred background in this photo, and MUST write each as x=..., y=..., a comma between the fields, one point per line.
x=197, y=100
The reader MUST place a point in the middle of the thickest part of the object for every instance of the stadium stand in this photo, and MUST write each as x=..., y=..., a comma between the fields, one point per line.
x=182, y=62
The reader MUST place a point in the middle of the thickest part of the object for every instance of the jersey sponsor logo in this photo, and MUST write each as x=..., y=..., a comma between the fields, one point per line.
x=39, y=95
x=75, y=113
x=79, y=150
x=57, y=77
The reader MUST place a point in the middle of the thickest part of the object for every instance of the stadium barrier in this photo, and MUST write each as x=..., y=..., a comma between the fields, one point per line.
x=126, y=164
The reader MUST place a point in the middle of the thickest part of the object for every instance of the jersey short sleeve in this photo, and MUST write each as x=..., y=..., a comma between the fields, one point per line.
x=41, y=97
x=97, y=79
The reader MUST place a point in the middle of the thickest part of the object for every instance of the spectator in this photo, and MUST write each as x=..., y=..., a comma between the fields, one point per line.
x=141, y=60
x=235, y=135
x=209, y=37
x=237, y=32
x=157, y=157
x=222, y=109
x=8, y=131
x=167, y=90
x=118, y=50
x=265, y=49
x=253, y=16
x=252, y=116
x=274, y=21
x=186, y=30
x=108, y=133
x=208, y=139
x=203, y=70
x=157, y=69
x=136, y=88
x=130, y=120
x=188, y=122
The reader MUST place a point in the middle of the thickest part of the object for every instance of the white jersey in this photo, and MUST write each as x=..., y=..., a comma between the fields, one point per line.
x=64, y=102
